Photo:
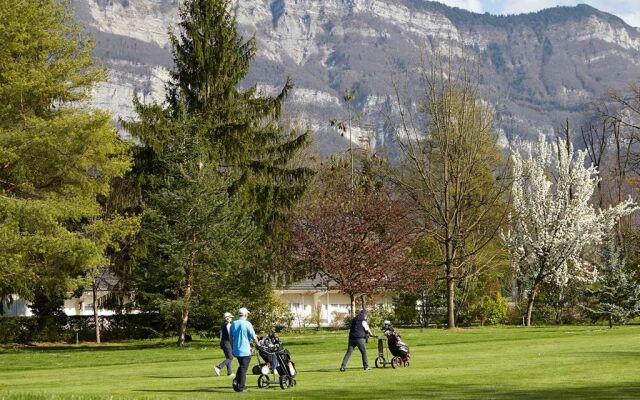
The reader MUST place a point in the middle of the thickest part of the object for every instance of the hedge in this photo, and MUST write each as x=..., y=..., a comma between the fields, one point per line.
x=65, y=328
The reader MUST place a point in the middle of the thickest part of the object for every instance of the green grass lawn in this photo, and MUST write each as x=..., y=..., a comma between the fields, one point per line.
x=563, y=362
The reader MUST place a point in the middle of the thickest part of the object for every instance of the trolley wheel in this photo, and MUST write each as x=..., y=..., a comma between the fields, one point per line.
x=393, y=362
x=263, y=381
x=285, y=382
x=293, y=382
x=406, y=363
x=399, y=362
x=235, y=385
x=380, y=362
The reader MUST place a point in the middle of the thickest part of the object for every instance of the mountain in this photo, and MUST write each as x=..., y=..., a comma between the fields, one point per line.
x=536, y=69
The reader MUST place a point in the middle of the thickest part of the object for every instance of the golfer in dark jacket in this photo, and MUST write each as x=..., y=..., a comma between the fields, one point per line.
x=225, y=345
x=358, y=333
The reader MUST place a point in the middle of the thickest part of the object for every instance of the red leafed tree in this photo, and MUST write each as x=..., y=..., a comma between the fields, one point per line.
x=352, y=235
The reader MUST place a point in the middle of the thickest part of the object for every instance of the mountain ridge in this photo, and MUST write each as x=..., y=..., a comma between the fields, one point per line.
x=537, y=69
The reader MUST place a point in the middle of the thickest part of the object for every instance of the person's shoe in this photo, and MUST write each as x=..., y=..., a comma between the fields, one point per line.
x=342, y=369
x=231, y=375
x=244, y=391
x=367, y=369
x=215, y=368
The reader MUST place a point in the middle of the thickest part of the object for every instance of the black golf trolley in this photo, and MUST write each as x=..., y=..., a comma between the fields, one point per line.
x=396, y=351
x=284, y=368
x=274, y=359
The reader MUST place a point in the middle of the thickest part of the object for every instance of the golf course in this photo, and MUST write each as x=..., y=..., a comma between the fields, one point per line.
x=553, y=362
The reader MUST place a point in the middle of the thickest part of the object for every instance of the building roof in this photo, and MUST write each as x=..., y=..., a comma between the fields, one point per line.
x=305, y=284
x=107, y=281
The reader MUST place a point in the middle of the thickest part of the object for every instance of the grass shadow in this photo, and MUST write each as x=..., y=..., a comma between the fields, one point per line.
x=479, y=392
x=199, y=390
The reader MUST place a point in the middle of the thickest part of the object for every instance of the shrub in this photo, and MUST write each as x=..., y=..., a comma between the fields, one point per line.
x=490, y=310
x=406, y=311
x=379, y=314
x=339, y=319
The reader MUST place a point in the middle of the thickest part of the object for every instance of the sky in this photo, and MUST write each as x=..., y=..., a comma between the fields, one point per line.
x=628, y=10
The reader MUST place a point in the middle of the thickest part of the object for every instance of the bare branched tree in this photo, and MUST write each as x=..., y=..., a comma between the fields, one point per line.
x=452, y=169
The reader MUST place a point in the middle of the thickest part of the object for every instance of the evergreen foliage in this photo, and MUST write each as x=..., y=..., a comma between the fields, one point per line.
x=615, y=296
x=56, y=156
x=214, y=171
x=242, y=126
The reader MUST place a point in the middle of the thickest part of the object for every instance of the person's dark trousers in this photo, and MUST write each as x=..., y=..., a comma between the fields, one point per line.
x=241, y=374
x=353, y=343
x=225, y=345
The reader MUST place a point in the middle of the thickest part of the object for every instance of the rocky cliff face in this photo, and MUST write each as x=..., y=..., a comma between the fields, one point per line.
x=537, y=69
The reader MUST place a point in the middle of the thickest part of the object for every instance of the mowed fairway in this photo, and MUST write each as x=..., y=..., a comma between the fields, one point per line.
x=563, y=362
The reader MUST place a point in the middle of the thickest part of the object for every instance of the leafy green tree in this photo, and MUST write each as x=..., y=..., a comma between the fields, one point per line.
x=57, y=157
x=215, y=173
x=615, y=297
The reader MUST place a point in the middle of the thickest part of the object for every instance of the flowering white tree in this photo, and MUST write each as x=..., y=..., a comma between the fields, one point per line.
x=553, y=219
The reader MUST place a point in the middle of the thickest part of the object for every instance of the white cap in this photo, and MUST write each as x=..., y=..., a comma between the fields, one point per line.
x=228, y=315
x=243, y=312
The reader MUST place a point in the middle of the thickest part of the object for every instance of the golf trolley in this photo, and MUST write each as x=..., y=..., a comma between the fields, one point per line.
x=274, y=359
x=384, y=355
x=396, y=351
x=277, y=362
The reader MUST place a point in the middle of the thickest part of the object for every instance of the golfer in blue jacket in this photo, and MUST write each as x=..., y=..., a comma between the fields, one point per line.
x=242, y=334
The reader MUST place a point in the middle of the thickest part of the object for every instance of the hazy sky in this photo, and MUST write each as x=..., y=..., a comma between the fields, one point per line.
x=628, y=10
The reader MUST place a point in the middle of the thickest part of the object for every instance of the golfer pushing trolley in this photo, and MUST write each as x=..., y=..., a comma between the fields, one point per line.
x=358, y=333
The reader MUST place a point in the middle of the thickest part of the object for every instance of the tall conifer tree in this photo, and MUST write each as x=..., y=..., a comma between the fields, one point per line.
x=215, y=168
x=212, y=59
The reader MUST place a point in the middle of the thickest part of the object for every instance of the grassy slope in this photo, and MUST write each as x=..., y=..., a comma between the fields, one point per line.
x=485, y=363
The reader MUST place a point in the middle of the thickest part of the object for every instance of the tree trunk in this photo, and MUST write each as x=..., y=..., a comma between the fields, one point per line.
x=353, y=305
x=363, y=301
x=610, y=322
x=451, y=317
x=559, y=307
x=186, y=304
x=424, y=310
x=530, y=299
x=96, y=317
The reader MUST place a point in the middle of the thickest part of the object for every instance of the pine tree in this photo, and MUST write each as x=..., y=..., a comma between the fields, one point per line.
x=211, y=59
x=56, y=156
x=615, y=295
x=214, y=169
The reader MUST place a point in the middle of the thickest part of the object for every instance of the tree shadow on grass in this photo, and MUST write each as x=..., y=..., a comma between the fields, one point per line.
x=196, y=390
x=606, y=354
x=179, y=377
x=51, y=348
x=320, y=370
x=624, y=391
x=81, y=348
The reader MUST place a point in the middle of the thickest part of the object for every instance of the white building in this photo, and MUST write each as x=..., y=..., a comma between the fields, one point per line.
x=108, y=291
x=304, y=297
